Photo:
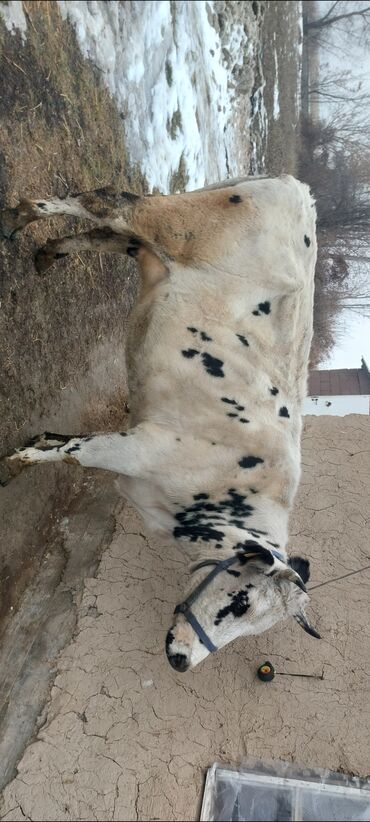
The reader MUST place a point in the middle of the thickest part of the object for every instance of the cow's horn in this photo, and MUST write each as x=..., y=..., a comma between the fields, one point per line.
x=292, y=576
x=304, y=623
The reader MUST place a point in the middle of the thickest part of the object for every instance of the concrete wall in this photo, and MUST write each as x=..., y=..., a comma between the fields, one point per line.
x=125, y=737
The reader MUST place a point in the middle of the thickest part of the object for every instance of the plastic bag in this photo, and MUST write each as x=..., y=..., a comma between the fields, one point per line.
x=282, y=792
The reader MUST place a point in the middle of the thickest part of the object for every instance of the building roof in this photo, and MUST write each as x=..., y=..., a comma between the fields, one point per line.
x=339, y=381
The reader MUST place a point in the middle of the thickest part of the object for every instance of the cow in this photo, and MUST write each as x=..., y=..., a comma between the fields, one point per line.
x=217, y=356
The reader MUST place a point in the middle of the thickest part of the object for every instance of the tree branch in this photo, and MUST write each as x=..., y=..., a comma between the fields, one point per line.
x=349, y=99
x=330, y=12
x=325, y=21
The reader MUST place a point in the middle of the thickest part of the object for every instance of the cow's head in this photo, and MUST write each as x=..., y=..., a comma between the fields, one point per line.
x=244, y=595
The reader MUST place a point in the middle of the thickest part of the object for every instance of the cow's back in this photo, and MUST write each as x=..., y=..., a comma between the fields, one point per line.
x=251, y=310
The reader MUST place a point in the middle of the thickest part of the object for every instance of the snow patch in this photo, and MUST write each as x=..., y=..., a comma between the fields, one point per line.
x=276, y=106
x=259, y=131
x=175, y=83
x=14, y=17
x=300, y=54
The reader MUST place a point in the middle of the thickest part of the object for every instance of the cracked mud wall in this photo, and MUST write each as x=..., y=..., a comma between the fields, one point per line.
x=125, y=737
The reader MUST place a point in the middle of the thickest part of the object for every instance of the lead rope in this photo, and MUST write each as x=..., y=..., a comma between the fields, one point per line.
x=336, y=579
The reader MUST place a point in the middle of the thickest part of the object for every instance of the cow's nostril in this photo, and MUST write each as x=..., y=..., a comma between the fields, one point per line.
x=179, y=662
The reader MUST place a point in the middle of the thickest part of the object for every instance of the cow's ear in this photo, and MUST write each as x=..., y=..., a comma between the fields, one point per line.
x=300, y=566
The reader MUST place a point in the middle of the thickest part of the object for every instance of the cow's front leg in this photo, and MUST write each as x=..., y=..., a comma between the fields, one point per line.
x=131, y=453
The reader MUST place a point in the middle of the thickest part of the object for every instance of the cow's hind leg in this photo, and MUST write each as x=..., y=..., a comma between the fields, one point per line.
x=187, y=228
x=151, y=268
x=99, y=240
x=103, y=206
x=13, y=220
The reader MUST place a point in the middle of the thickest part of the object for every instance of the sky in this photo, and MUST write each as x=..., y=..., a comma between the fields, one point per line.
x=353, y=344
x=354, y=335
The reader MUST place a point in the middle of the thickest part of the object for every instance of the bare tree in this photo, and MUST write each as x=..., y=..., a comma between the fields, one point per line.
x=344, y=27
x=354, y=296
x=351, y=126
x=335, y=15
x=340, y=87
x=335, y=161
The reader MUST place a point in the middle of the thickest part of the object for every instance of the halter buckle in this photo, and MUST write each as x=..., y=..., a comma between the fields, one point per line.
x=182, y=608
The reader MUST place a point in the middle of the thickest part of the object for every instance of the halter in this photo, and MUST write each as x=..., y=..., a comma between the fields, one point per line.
x=184, y=608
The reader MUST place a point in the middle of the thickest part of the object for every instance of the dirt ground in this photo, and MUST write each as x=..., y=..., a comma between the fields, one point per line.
x=59, y=336
x=122, y=736
x=125, y=737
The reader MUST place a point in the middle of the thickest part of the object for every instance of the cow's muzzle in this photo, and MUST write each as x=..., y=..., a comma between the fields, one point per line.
x=178, y=660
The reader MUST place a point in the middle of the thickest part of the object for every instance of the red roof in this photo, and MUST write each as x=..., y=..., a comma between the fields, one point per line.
x=339, y=381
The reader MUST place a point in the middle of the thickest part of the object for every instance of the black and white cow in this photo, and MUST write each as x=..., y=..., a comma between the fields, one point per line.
x=217, y=358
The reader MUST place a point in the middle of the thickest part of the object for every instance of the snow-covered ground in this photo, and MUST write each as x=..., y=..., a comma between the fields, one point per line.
x=276, y=108
x=181, y=74
x=180, y=88
x=188, y=79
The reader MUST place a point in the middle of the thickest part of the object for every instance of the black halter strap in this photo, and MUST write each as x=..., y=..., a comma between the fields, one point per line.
x=185, y=607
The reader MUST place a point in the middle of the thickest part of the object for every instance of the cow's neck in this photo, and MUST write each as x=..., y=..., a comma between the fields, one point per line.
x=234, y=539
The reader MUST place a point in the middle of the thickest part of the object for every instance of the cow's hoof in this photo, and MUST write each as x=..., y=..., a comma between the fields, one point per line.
x=43, y=261
x=46, y=256
x=9, y=219
x=10, y=467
